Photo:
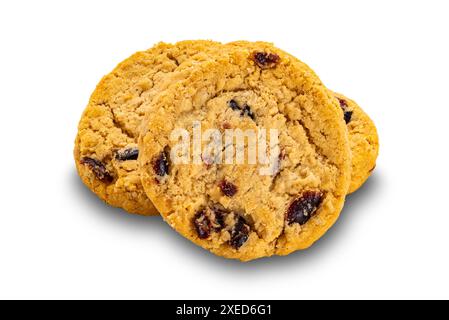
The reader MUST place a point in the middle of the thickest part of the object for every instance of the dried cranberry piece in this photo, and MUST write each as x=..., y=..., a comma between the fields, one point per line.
x=127, y=154
x=233, y=105
x=210, y=219
x=98, y=168
x=282, y=155
x=266, y=60
x=202, y=224
x=304, y=207
x=226, y=125
x=239, y=233
x=220, y=214
x=227, y=188
x=343, y=103
x=347, y=114
x=161, y=165
x=246, y=111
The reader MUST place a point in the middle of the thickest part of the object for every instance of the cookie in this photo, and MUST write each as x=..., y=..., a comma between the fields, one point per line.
x=216, y=194
x=106, y=148
x=363, y=140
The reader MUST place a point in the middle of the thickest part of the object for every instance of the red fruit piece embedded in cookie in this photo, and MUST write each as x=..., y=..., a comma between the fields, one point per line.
x=98, y=168
x=304, y=207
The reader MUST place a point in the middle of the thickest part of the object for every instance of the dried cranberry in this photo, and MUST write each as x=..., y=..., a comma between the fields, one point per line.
x=127, y=154
x=161, y=164
x=202, y=224
x=246, y=111
x=282, y=155
x=343, y=103
x=98, y=168
x=228, y=188
x=226, y=125
x=233, y=105
x=220, y=214
x=212, y=219
x=239, y=233
x=347, y=114
x=304, y=207
x=266, y=60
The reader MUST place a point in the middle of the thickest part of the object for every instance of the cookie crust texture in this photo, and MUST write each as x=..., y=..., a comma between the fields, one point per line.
x=106, y=144
x=363, y=140
x=362, y=133
x=232, y=210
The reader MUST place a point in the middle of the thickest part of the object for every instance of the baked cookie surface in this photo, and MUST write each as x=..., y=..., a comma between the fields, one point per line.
x=106, y=148
x=362, y=133
x=235, y=209
x=363, y=140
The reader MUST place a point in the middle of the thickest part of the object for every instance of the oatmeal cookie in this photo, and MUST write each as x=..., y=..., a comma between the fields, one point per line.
x=106, y=148
x=235, y=209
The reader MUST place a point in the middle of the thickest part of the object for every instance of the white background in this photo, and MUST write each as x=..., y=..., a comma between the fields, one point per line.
x=57, y=240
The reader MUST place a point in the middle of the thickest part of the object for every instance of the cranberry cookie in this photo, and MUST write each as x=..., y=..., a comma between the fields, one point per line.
x=243, y=209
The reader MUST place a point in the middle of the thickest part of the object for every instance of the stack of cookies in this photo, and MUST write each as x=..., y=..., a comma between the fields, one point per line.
x=239, y=147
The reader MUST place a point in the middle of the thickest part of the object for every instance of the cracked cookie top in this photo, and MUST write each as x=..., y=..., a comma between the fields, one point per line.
x=106, y=148
x=363, y=140
x=246, y=154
